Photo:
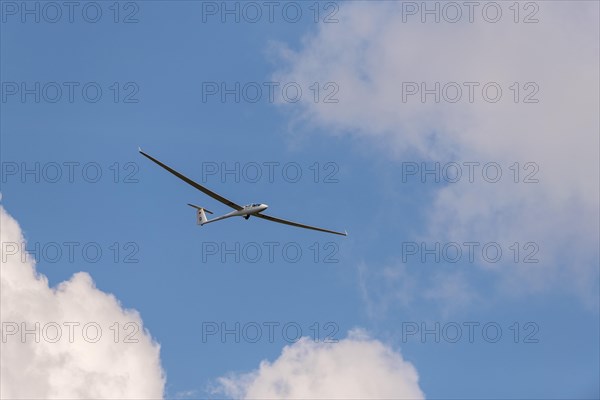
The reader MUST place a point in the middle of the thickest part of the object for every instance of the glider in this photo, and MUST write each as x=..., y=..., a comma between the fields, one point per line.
x=241, y=211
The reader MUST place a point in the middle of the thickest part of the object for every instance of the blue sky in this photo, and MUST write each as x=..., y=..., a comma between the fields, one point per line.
x=178, y=288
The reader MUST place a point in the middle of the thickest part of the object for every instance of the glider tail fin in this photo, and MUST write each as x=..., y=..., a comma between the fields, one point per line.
x=200, y=214
x=201, y=217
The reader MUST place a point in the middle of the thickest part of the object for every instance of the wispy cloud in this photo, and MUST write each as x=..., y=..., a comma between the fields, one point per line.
x=547, y=114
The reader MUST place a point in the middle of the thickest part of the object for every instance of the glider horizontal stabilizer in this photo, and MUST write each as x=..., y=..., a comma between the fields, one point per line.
x=200, y=208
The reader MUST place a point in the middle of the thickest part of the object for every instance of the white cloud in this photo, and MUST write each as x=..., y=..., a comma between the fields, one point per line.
x=55, y=367
x=371, y=52
x=357, y=367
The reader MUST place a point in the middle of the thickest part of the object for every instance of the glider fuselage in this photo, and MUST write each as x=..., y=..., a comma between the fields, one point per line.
x=249, y=210
x=245, y=212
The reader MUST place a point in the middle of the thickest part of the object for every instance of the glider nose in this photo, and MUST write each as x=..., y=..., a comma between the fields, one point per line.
x=263, y=207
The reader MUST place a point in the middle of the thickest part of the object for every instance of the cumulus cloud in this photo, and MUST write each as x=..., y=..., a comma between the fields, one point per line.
x=58, y=342
x=377, y=49
x=357, y=367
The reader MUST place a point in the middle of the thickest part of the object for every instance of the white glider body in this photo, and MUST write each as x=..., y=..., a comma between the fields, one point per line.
x=238, y=211
x=246, y=211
